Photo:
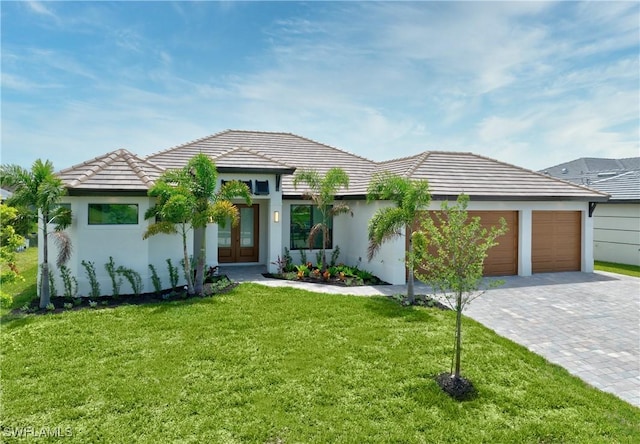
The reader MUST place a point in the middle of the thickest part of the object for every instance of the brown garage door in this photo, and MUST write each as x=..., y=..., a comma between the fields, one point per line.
x=556, y=241
x=502, y=260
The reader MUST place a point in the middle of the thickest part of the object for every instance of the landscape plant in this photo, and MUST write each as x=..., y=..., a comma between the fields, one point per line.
x=133, y=277
x=451, y=248
x=10, y=240
x=53, y=290
x=42, y=190
x=321, y=190
x=173, y=274
x=409, y=198
x=155, y=279
x=69, y=282
x=186, y=199
x=90, y=270
x=116, y=281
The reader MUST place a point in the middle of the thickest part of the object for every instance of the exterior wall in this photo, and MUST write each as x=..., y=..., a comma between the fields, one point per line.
x=125, y=244
x=96, y=243
x=617, y=233
x=388, y=264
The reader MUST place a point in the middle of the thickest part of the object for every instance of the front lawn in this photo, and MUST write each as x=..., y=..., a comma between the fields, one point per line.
x=283, y=365
x=629, y=270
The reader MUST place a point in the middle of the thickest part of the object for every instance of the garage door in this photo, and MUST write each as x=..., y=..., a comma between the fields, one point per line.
x=502, y=260
x=556, y=241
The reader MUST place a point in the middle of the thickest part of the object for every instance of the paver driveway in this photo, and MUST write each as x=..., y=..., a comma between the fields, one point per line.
x=588, y=323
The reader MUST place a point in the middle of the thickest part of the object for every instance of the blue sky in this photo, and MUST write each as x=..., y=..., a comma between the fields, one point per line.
x=529, y=83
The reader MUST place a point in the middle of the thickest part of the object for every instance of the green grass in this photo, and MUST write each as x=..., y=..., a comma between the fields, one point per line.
x=629, y=270
x=284, y=365
x=23, y=290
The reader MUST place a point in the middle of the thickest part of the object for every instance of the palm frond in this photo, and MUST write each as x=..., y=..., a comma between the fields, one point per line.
x=164, y=227
x=318, y=228
x=387, y=223
x=63, y=242
x=340, y=208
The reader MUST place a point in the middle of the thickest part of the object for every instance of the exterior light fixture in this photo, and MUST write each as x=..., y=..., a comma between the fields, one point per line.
x=276, y=216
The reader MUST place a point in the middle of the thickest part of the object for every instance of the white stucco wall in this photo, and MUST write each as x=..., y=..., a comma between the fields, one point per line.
x=125, y=243
x=617, y=233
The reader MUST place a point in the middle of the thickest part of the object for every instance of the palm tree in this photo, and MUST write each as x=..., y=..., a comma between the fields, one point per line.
x=322, y=190
x=409, y=196
x=41, y=189
x=187, y=199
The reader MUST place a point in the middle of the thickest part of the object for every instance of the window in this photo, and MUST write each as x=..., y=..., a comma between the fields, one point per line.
x=113, y=214
x=303, y=218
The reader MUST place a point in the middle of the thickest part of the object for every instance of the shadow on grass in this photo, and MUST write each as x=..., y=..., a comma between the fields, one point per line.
x=387, y=307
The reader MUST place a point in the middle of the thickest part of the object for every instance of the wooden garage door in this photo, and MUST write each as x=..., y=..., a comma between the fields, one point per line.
x=502, y=260
x=556, y=241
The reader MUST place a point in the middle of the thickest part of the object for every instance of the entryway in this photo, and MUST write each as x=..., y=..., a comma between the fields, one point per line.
x=240, y=243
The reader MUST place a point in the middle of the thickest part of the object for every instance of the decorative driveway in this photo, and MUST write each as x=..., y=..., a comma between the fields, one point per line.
x=588, y=323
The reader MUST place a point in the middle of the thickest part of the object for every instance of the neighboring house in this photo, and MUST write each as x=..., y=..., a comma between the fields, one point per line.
x=617, y=222
x=549, y=220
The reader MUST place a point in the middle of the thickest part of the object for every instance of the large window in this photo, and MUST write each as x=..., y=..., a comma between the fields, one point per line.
x=113, y=214
x=303, y=218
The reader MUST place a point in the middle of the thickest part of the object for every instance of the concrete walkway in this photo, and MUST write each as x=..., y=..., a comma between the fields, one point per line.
x=588, y=323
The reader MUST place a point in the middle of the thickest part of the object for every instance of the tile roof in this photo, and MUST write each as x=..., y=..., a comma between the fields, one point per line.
x=244, y=159
x=119, y=170
x=586, y=170
x=448, y=173
x=285, y=148
x=623, y=187
x=452, y=173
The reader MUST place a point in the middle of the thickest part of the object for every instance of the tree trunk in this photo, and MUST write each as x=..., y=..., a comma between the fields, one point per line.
x=410, y=278
x=45, y=296
x=458, y=348
x=199, y=248
x=187, y=264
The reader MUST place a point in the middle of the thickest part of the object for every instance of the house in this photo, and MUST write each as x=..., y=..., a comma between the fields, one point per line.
x=550, y=223
x=616, y=222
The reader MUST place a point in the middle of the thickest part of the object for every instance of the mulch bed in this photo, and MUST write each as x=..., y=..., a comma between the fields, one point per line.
x=84, y=302
x=460, y=388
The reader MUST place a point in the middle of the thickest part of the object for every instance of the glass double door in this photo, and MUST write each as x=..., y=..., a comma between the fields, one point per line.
x=240, y=243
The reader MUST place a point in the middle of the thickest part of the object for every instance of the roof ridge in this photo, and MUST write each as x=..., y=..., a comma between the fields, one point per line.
x=135, y=163
x=633, y=172
x=538, y=173
x=422, y=158
x=175, y=147
x=102, y=162
x=330, y=146
x=254, y=152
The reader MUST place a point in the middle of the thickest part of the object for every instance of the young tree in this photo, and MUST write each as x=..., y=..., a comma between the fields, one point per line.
x=451, y=247
x=321, y=190
x=409, y=196
x=41, y=189
x=186, y=199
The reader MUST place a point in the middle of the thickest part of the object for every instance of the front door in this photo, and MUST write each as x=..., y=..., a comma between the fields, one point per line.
x=240, y=243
